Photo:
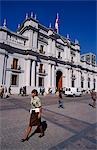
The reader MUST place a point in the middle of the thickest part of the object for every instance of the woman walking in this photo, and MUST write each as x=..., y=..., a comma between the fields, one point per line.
x=35, y=115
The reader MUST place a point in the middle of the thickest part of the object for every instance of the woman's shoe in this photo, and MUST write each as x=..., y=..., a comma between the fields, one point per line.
x=23, y=140
x=41, y=135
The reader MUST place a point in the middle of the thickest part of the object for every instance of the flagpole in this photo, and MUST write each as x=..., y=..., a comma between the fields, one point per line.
x=56, y=24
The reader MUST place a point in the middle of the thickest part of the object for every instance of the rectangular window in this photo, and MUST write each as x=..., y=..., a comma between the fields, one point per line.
x=88, y=82
x=41, y=68
x=41, y=48
x=81, y=84
x=72, y=60
x=94, y=83
x=82, y=58
x=14, y=79
x=88, y=58
x=59, y=54
x=72, y=83
x=93, y=59
x=41, y=81
x=15, y=63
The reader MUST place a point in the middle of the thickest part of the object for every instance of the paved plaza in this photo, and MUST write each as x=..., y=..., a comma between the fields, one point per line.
x=71, y=128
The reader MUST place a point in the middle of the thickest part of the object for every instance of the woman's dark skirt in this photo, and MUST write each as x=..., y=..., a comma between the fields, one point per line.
x=34, y=121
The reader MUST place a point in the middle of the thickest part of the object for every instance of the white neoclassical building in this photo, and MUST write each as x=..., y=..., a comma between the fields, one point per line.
x=36, y=56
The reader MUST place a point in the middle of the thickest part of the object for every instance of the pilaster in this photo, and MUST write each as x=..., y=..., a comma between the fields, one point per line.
x=33, y=74
x=53, y=79
x=27, y=72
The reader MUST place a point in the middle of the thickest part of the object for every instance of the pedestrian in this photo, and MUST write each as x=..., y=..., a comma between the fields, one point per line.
x=35, y=115
x=93, y=96
x=20, y=91
x=6, y=93
x=42, y=92
x=60, y=101
x=9, y=90
x=1, y=91
x=24, y=89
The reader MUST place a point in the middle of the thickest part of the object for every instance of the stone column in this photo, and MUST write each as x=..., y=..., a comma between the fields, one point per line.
x=49, y=47
x=78, y=79
x=53, y=79
x=33, y=74
x=27, y=70
x=30, y=39
x=63, y=80
x=49, y=76
x=91, y=82
x=37, y=75
x=53, y=49
x=66, y=77
x=35, y=40
x=69, y=77
x=85, y=81
x=4, y=70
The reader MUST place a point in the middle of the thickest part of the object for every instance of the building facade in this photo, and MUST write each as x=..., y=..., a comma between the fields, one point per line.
x=37, y=57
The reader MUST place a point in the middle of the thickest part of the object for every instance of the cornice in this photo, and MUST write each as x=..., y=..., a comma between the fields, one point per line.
x=43, y=27
x=29, y=28
x=42, y=40
x=13, y=33
x=28, y=19
x=12, y=50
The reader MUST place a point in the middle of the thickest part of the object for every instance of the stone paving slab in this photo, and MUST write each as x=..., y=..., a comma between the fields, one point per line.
x=78, y=111
x=92, y=134
x=14, y=135
x=71, y=128
x=71, y=124
x=13, y=128
x=14, y=118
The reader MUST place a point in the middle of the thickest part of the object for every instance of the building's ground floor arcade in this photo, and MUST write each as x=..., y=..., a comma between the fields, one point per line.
x=47, y=76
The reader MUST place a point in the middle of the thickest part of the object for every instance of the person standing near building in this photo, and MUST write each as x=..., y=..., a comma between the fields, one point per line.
x=60, y=101
x=20, y=91
x=9, y=90
x=93, y=96
x=35, y=115
x=1, y=91
x=6, y=93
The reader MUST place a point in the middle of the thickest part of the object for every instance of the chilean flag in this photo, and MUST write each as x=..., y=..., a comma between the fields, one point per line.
x=57, y=23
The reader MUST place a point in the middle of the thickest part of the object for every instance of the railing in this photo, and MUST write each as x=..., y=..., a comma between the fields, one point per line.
x=59, y=57
x=41, y=51
x=15, y=40
x=73, y=77
x=41, y=71
x=18, y=67
x=72, y=61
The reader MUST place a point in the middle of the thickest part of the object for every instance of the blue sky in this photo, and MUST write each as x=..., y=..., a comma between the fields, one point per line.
x=77, y=18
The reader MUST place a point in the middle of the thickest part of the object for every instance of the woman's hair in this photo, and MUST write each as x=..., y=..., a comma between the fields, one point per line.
x=35, y=92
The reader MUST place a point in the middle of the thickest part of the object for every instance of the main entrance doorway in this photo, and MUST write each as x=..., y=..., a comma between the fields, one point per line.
x=59, y=80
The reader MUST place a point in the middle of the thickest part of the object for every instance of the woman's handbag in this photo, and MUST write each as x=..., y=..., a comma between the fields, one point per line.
x=35, y=110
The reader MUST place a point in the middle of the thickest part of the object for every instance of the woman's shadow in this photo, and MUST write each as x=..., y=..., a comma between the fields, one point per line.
x=44, y=127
